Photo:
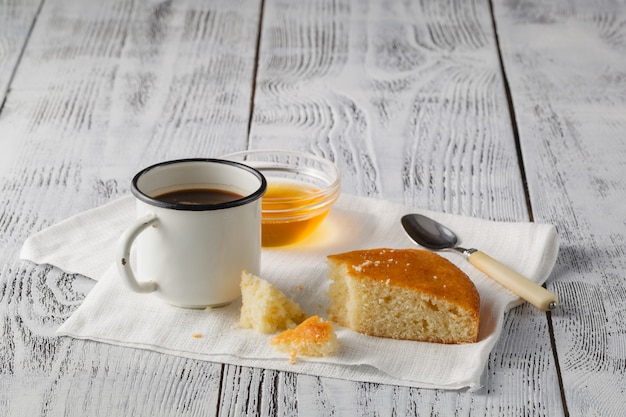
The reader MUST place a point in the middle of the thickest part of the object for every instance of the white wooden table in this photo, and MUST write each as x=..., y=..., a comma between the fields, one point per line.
x=505, y=110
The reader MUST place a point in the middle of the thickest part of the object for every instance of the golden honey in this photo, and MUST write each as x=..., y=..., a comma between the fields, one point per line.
x=291, y=211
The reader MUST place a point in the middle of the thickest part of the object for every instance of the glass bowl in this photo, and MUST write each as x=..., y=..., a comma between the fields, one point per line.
x=301, y=188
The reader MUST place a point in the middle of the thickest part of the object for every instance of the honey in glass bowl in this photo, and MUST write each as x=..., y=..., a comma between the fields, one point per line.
x=291, y=211
x=301, y=188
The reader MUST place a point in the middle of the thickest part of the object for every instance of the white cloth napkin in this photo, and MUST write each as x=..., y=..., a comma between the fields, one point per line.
x=111, y=313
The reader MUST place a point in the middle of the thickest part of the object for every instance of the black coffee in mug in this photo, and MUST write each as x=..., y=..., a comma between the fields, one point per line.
x=198, y=196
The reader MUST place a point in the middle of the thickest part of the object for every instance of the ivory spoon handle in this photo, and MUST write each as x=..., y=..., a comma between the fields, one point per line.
x=519, y=284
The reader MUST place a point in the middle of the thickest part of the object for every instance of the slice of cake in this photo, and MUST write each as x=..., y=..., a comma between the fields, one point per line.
x=313, y=337
x=265, y=308
x=403, y=294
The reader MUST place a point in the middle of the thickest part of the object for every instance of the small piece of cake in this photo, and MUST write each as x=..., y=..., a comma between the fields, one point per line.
x=313, y=337
x=403, y=294
x=265, y=308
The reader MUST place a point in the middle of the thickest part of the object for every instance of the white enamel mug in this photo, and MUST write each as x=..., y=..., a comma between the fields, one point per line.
x=192, y=254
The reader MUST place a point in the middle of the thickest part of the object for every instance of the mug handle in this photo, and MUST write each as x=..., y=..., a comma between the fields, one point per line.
x=124, y=244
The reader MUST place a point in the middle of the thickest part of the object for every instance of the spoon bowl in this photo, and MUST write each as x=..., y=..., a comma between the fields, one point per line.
x=429, y=233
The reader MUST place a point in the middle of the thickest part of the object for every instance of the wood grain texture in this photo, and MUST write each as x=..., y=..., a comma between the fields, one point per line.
x=406, y=97
x=409, y=101
x=101, y=90
x=17, y=18
x=569, y=88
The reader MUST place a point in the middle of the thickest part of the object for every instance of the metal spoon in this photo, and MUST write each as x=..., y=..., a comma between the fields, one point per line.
x=433, y=235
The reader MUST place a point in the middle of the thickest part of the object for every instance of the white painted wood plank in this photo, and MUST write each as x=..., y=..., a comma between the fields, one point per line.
x=565, y=62
x=16, y=21
x=409, y=101
x=103, y=89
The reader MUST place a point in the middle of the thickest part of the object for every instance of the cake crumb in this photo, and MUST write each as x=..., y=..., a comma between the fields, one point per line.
x=264, y=308
x=313, y=337
x=359, y=268
x=196, y=335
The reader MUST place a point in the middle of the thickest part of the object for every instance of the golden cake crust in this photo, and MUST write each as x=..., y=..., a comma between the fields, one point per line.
x=415, y=269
